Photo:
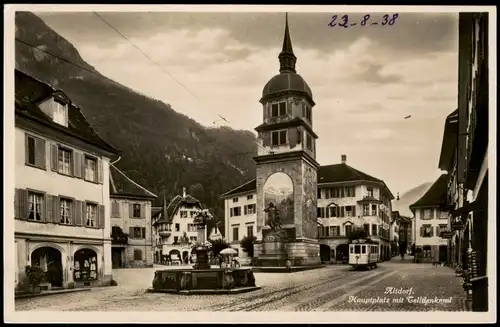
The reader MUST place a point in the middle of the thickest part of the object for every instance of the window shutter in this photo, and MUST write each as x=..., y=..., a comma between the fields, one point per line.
x=54, y=160
x=77, y=164
x=143, y=232
x=422, y=214
x=327, y=212
x=354, y=211
x=26, y=149
x=78, y=212
x=131, y=210
x=82, y=166
x=245, y=209
x=100, y=172
x=421, y=231
x=143, y=210
x=56, y=209
x=432, y=231
x=40, y=153
x=49, y=209
x=318, y=212
x=102, y=216
x=354, y=191
x=23, y=203
x=342, y=212
x=342, y=192
x=131, y=232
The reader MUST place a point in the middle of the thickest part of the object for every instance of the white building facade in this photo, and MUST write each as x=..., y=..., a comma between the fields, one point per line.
x=343, y=204
x=62, y=222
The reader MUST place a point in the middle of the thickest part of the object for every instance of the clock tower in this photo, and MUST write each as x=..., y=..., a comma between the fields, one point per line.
x=287, y=167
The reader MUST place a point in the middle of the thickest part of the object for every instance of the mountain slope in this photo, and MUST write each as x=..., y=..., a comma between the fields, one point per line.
x=161, y=149
x=408, y=198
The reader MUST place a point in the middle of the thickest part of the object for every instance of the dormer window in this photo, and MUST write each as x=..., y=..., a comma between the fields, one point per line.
x=60, y=113
x=278, y=109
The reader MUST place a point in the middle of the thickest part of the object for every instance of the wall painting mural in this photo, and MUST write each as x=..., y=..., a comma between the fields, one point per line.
x=278, y=192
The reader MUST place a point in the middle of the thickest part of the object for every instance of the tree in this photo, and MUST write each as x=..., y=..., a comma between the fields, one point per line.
x=247, y=245
x=356, y=233
x=218, y=245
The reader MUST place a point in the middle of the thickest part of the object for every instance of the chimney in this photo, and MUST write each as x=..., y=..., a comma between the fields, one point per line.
x=183, y=192
x=343, y=158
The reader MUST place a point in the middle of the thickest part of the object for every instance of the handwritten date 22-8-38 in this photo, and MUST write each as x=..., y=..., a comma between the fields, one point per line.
x=367, y=20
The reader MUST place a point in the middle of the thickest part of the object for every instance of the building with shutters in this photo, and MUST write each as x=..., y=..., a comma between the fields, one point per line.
x=430, y=220
x=131, y=228
x=62, y=221
x=346, y=199
x=174, y=230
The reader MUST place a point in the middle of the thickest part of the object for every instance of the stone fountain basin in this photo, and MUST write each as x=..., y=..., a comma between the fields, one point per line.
x=204, y=281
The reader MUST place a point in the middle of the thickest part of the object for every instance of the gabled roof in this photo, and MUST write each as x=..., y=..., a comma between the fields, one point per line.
x=167, y=214
x=250, y=186
x=434, y=195
x=121, y=185
x=326, y=174
x=29, y=92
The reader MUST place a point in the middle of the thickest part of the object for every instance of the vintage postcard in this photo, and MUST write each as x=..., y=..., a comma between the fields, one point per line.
x=246, y=164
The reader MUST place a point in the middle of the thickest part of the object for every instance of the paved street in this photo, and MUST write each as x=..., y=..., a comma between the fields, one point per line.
x=333, y=288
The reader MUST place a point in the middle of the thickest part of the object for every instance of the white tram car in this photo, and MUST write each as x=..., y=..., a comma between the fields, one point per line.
x=364, y=253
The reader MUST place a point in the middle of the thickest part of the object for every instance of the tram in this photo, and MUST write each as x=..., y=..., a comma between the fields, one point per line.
x=364, y=253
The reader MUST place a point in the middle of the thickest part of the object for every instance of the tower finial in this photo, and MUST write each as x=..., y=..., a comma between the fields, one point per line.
x=286, y=57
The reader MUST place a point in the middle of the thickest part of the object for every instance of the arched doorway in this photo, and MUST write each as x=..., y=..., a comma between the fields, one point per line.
x=85, y=265
x=324, y=252
x=49, y=260
x=343, y=253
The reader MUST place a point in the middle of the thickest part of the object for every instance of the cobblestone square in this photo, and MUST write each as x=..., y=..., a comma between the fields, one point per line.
x=393, y=286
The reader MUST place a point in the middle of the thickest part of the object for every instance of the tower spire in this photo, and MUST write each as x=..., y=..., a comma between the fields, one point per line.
x=287, y=57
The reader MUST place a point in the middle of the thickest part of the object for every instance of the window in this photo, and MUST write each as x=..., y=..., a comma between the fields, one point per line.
x=374, y=209
x=236, y=211
x=177, y=227
x=363, y=249
x=137, y=211
x=427, y=251
x=319, y=193
x=334, y=230
x=115, y=209
x=309, y=143
x=306, y=111
x=193, y=238
x=91, y=215
x=427, y=213
x=90, y=169
x=369, y=191
x=183, y=213
x=278, y=109
x=250, y=209
x=441, y=228
x=426, y=231
x=64, y=157
x=357, y=249
x=192, y=228
x=366, y=228
x=443, y=215
x=35, y=151
x=374, y=229
x=250, y=197
x=65, y=205
x=235, y=200
x=138, y=232
x=176, y=239
x=348, y=211
x=366, y=209
x=192, y=213
x=137, y=254
x=250, y=231
x=35, y=206
x=235, y=234
x=348, y=229
x=60, y=113
x=349, y=191
x=278, y=137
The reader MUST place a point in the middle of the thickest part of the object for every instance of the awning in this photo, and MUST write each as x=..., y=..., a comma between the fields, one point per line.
x=464, y=210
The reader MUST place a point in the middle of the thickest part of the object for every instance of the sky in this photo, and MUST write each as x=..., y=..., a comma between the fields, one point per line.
x=365, y=80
